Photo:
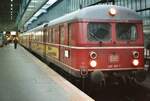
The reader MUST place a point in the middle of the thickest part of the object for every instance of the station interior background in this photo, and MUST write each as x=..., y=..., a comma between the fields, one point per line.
x=22, y=15
x=39, y=12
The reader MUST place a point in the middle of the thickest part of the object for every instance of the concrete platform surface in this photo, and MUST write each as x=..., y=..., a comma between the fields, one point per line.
x=25, y=78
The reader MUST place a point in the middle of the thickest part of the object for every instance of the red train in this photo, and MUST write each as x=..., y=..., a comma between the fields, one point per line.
x=100, y=42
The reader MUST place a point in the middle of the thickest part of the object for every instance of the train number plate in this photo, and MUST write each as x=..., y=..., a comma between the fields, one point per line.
x=113, y=58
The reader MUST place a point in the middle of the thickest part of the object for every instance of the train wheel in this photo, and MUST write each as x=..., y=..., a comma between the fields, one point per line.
x=140, y=76
x=97, y=78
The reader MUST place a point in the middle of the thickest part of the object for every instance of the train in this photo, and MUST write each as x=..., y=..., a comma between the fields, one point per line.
x=97, y=42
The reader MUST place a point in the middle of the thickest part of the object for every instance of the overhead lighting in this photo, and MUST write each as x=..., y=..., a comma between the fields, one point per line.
x=34, y=1
x=4, y=32
x=31, y=6
x=29, y=9
x=42, y=10
x=13, y=33
x=45, y=6
x=29, y=22
x=11, y=8
x=34, y=18
x=38, y=13
x=50, y=2
x=11, y=5
x=11, y=0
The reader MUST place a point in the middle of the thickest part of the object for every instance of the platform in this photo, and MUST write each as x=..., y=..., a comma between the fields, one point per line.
x=25, y=78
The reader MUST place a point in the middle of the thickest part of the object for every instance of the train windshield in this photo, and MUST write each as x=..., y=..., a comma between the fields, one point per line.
x=99, y=31
x=126, y=31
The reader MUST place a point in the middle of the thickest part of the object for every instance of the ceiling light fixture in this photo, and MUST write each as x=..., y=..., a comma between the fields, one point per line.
x=31, y=6
x=40, y=11
x=34, y=1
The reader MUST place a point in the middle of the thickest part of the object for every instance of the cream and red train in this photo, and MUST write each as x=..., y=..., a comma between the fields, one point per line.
x=100, y=41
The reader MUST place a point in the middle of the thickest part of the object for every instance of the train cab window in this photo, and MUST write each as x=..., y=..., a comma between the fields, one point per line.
x=126, y=31
x=99, y=31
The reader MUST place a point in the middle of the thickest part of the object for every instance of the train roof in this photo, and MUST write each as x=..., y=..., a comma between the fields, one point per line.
x=37, y=28
x=98, y=12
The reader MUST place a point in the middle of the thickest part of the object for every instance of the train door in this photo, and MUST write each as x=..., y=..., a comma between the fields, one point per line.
x=45, y=39
x=67, y=52
x=64, y=41
x=56, y=44
x=69, y=42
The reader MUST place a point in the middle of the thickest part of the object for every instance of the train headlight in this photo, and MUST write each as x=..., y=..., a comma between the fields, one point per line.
x=93, y=63
x=135, y=54
x=135, y=62
x=93, y=55
x=112, y=11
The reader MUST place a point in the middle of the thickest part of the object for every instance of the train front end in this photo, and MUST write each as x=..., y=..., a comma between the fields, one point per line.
x=119, y=51
x=113, y=46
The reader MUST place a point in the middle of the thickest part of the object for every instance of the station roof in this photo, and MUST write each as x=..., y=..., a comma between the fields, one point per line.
x=8, y=13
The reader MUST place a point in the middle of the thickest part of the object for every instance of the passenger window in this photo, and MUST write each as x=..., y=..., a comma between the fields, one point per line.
x=69, y=34
x=45, y=35
x=56, y=35
x=49, y=35
x=52, y=32
x=62, y=35
x=53, y=36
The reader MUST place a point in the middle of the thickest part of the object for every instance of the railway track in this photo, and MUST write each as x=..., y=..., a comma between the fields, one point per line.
x=132, y=92
x=112, y=92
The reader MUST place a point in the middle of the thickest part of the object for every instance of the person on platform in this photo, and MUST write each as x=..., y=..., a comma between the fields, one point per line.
x=15, y=42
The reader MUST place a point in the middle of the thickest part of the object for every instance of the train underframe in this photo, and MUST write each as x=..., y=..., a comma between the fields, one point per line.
x=115, y=77
x=99, y=77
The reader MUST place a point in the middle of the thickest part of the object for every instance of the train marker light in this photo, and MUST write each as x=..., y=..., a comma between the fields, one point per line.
x=135, y=62
x=93, y=55
x=93, y=63
x=136, y=54
x=112, y=12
